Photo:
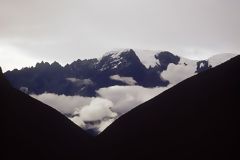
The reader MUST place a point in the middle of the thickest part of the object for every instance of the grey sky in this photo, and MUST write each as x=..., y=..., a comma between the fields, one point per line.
x=66, y=30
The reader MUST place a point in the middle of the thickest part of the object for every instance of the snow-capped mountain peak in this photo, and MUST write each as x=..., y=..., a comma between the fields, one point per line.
x=147, y=57
x=116, y=58
x=123, y=72
x=116, y=53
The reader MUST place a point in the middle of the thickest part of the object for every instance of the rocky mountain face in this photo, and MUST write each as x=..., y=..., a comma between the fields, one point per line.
x=84, y=77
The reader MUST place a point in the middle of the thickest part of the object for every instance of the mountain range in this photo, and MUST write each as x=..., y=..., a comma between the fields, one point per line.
x=88, y=91
x=195, y=119
x=119, y=67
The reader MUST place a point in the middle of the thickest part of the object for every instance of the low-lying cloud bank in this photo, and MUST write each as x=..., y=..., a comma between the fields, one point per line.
x=126, y=80
x=80, y=82
x=98, y=109
x=177, y=73
x=64, y=104
x=126, y=98
x=99, y=112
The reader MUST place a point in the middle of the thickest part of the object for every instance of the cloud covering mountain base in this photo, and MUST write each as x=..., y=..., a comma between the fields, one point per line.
x=97, y=113
x=93, y=93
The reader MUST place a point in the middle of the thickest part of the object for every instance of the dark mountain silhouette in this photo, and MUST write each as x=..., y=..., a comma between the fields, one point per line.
x=33, y=130
x=196, y=119
x=54, y=78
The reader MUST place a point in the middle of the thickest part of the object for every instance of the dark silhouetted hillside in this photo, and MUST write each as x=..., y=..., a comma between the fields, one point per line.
x=196, y=119
x=33, y=130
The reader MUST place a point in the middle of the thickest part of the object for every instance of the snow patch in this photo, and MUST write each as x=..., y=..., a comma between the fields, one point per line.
x=115, y=53
x=147, y=57
x=201, y=65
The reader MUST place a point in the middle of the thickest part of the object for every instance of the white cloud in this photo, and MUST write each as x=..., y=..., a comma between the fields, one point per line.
x=80, y=82
x=126, y=98
x=98, y=109
x=99, y=112
x=177, y=73
x=64, y=104
x=127, y=80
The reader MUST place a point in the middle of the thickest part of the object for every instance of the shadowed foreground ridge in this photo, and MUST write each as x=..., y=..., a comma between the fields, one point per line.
x=196, y=119
x=33, y=130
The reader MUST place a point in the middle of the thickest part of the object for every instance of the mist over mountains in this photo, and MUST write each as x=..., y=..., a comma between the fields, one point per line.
x=95, y=92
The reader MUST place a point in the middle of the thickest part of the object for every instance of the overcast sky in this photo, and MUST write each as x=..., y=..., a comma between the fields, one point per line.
x=66, y=30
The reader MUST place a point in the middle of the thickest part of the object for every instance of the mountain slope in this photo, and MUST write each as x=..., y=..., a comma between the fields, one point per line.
x=33, y=130
x=196, y=119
